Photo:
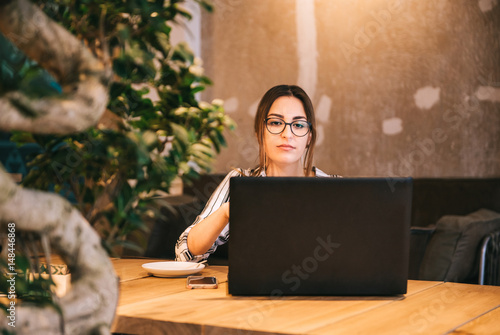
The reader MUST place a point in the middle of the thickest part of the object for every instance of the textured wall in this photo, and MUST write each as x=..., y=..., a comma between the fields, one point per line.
x=401, y=87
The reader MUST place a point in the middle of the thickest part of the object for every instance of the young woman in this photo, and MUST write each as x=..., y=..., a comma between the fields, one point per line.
x=286, y=131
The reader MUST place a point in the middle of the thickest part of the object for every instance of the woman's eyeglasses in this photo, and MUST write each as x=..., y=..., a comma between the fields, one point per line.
x=276, y=126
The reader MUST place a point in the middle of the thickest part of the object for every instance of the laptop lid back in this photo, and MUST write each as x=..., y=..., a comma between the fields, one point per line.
x=319, y=236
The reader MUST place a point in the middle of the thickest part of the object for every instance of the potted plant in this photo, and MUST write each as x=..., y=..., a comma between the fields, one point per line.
x=117, y=54
x=153, y=131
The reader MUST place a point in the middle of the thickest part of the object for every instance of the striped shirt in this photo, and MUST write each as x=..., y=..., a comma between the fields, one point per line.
x=219, y=197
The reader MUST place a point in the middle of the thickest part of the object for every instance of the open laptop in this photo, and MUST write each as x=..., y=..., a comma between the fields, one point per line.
x=319, y=236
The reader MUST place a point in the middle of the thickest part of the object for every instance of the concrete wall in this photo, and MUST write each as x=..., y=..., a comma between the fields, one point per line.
x=401, y=87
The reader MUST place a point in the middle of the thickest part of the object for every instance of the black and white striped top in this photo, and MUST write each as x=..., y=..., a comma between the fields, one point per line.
x=219, y=197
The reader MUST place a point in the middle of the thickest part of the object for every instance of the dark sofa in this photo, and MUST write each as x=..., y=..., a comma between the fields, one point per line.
x=456, y=211
x=433, y=198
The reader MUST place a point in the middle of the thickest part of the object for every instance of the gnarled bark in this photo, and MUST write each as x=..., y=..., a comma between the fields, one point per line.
x=90, y=305
x=82, y=77
x=92, y=301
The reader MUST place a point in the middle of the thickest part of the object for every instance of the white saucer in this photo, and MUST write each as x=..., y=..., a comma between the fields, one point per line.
x=172, y=269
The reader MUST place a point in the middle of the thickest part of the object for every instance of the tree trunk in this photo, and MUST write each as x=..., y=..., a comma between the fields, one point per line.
x=90, y=305
x=83, y=78
x=92, y=300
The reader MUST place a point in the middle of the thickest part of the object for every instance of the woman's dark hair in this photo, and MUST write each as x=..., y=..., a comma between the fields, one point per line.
x=263, y=110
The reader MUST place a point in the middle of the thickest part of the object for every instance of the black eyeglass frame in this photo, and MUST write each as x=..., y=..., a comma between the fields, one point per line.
x=309, y=125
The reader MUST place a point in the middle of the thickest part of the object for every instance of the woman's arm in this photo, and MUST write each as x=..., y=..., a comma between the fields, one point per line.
x=205, y=239
x=203, y=235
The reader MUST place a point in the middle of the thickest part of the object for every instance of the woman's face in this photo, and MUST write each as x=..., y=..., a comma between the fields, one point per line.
x=285, y=148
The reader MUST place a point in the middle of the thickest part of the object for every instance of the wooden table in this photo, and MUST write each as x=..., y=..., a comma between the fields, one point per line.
x=150, y=305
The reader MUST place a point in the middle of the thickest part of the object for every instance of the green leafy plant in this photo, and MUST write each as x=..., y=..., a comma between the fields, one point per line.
x=155, y=129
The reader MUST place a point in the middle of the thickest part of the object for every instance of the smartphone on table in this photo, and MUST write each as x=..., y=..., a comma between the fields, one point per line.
x=201, y=282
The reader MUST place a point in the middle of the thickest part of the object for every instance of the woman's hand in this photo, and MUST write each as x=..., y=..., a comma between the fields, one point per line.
x=203, y=235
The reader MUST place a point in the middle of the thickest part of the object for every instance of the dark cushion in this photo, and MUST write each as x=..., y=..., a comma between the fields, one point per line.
x=453, y=251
